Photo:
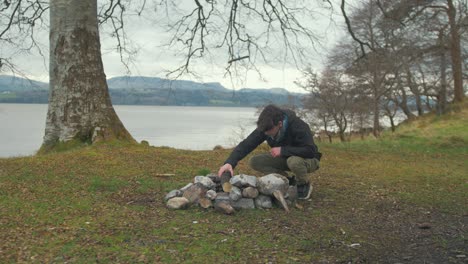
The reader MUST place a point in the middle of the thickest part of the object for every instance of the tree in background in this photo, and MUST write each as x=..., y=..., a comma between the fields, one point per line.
x=79, y=104
x=399, y=53
x=417, y=17
x=331, y=98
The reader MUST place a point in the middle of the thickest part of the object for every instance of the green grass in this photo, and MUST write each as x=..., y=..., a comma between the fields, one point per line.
x=104, y=203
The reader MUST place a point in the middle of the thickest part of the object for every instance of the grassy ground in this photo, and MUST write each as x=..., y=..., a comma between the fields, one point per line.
x=400, y=199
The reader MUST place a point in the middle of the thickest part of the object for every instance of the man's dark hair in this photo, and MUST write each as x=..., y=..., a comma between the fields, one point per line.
x=269, y=117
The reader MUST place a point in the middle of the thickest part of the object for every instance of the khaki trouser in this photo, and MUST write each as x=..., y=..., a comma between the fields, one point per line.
x=300, y=167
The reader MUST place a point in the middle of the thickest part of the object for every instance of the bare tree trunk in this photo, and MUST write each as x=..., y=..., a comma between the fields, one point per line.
x=455, y=52
x=342, y=136
x=325, y=128
x=342, y=123
x=442, y=94
x=392, y=123
x=414, y=89
x=403, y=104
x=426, y=92
x=80, y=107
x=376, y=123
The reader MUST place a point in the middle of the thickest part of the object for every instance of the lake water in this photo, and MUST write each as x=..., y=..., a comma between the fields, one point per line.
x=195, y=128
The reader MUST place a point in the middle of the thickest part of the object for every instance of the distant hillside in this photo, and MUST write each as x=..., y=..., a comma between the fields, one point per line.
x=271, y=90
x=141, y=82
x=141, y=90
x=14, y=84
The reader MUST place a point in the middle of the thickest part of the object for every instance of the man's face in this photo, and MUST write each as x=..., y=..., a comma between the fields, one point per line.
x=274, y=130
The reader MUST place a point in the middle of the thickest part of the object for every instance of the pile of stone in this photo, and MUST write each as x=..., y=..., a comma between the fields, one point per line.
x=228, y=194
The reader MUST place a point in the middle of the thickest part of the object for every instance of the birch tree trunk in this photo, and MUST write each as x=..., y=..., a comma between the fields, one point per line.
x=79, y=102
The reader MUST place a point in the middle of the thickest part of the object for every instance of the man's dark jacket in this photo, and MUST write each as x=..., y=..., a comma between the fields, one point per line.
x=297, y=141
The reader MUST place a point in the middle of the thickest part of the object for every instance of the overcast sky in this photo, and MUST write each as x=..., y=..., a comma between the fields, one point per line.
x=154, y=60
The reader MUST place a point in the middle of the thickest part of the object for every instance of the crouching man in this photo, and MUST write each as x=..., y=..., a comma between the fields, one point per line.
x=292, y=148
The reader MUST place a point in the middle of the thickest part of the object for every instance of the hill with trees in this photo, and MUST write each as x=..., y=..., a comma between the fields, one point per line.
x=140, y=90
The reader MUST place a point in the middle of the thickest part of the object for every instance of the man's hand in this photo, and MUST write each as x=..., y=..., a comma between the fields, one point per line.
x=225, y=167
x=275, y=152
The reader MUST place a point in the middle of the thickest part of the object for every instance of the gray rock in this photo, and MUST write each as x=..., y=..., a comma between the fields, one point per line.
x=183, y=189
x=243, y=203
x=280, y=198
x=263, y=201
x=222, y=197
x=235, y=193
x=172, y=194
x=178, y=203
x=205, y=181
x=250, y=192
x=195, y=192
x=225, y=177
x=272, y=182
x=243, y=180
x=214, y=177
x=210, y=194
x=224, y=208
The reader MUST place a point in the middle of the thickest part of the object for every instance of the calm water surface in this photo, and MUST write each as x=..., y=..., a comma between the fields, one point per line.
x=195, y=128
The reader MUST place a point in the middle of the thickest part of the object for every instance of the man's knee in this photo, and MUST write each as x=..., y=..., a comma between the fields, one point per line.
x=295, y=162
x=257, y=162
x=265, y=163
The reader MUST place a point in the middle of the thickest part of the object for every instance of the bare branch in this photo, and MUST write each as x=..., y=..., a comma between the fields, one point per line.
x=18, y=19
x=11, y=19
x=351, y=32
x=241, y=38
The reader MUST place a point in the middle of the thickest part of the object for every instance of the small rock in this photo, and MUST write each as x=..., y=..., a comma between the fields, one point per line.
x=195, y=192
x=291, y=194
x=227, y=187
x=250, y=192
x=172, y=194
x=243, y=203
x=235, y=193
x=222, y=197
x=224, y=208
x=243, y=180
x=225, y=177
x=424, y=226
x=210, y=194
x=272, y=182
x=178, y=203
x=298, y=206
x=263, y=201
x=279, y=196
x=205, y=181
x=205, y=203
x=214, y=177
x=183, y=189
x=461, y=256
